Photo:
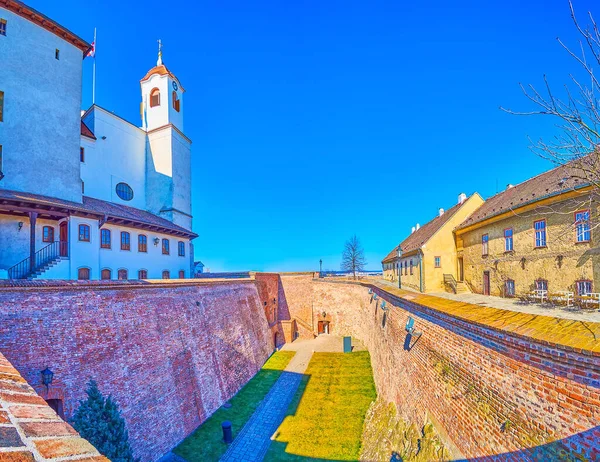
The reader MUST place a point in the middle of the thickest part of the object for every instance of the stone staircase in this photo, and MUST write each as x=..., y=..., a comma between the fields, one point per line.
x=455, y=287
x=462, y=288
x=46, y=267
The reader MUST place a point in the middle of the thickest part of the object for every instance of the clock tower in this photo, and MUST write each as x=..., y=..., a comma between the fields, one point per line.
x=162, y=97
x=168, y=150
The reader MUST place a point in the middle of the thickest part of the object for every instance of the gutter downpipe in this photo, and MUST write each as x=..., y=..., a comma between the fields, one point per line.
x=420, y=271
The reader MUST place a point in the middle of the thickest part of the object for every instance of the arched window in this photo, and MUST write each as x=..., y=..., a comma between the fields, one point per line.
x=181, y=274
x=105, y=239
x=83, y=274
x=105, y=274
x=125, y=240
x=84, y=233
x=165, y=247
x=176, y=102
x=166, y=275
x=181, y=248
x=142, y=274
x=48, y=234
x=122, y=274
x=155, y=97
x=142, y=244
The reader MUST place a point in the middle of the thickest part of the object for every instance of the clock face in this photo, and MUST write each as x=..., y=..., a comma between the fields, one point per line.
x=174, y=85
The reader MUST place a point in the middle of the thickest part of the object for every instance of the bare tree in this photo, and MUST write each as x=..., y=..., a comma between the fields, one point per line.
x=353, y=257
x=577, y=111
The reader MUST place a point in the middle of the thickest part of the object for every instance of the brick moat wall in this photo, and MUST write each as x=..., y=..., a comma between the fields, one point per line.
x=170, y=355
x=494, y=393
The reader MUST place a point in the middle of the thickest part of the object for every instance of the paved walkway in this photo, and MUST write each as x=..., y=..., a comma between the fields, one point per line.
x=512, y=304
x=253, y=441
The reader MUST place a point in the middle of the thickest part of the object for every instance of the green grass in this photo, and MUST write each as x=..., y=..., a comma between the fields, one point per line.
x=325, y=420
x=206, y=443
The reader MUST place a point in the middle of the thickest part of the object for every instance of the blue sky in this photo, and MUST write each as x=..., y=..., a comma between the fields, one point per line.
x=315, y=120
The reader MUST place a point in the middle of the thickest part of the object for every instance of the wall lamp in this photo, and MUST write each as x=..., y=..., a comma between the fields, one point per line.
x=47, y=376
x=375, y=297
x=20, y=225
x=156, y=241
x=370, y=291
x=324, y=314
x=384, y=306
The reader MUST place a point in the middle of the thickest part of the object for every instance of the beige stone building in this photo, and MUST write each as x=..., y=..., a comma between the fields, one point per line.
x=536, y=235
x=429, y=257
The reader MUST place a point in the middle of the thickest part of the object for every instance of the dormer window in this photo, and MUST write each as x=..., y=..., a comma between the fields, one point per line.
x=175, y=101
x=155, y=97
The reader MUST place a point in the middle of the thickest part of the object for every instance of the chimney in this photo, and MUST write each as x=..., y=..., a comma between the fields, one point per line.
x=413, y=230
x=441, y=212
x=461, y=198
x=417, y=227
x=508, y=186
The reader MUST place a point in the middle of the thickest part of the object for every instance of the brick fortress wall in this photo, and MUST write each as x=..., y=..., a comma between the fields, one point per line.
x=169, y=354
x=507, y=384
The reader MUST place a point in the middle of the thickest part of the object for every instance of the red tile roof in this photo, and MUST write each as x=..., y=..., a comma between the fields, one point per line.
x=416, y=240
x=114, y=213
x=85, y=131
x=559, y=180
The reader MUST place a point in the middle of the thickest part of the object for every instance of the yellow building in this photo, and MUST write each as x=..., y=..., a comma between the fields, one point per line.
x=429, y=260
x=535, y=235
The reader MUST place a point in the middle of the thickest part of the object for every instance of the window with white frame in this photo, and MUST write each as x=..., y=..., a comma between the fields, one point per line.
x=584, y=287
x=540, y=233
x=582, y=226
x=508, y=240
x=509, y=288
x=484, y=244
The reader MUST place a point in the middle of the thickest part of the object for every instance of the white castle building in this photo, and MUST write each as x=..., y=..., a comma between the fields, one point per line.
x=87, y=196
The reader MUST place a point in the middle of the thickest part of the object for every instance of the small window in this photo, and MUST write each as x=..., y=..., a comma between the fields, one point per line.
x=584, y=287
x=1, y=106
x=83, y=274
x=125, y=240
x=142, y=274
x=541, y=284
x=484, y=245
x=166, y=275
x=122, y=274
x=181, y=274
x=84, y=233
x=509, y=288
x=437, y=262
x=48, y=234
x=582, y=226
x=105, y=274
x=165, y=247
x=81, y=154
x=155, y=97
x=3, y=27
x=540, y=233
x=82, y=187
x=181, y=249
x=508, y=240
x=411, y=267
x=57, y=54
x=175, y=101
x=105, y=238
x=142, y=243
x=124, y=191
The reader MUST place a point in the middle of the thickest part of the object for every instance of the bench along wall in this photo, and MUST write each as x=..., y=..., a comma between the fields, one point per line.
x=169, y=354
x=493, y=392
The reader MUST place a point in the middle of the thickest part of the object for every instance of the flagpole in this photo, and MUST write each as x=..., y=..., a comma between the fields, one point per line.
x=94, y=75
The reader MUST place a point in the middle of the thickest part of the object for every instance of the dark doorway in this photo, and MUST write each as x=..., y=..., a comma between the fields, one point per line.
x=486, y=283
x=276, y=340
x=64, y=239
x=461, y=270
x=57, y=406
x=323, y=327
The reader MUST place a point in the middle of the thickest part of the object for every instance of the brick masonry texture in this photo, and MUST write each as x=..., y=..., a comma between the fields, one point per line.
x=170, y=354
x=23, y=440
x=499, y=389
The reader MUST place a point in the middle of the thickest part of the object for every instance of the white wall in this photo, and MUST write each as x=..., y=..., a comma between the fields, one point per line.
x=159, y=116
x=42, y=98
x=121, y=157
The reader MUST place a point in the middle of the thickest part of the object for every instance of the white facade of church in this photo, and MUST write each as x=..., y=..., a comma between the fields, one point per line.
x=86, y=196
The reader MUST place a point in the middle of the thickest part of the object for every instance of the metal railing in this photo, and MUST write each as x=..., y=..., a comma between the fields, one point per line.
x=450, y=281
x=45, y=255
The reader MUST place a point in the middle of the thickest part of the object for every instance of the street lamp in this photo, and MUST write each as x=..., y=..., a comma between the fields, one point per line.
x=321, y=268
x=399, y=251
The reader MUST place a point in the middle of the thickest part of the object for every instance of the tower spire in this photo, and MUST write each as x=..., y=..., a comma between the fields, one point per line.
x=159, y=61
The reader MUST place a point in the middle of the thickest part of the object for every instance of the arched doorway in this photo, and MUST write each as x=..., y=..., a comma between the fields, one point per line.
x=323, y=327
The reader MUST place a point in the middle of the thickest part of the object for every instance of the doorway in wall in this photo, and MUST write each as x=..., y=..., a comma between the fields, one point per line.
x=64, y=238
x=461, y=270
x=323, y=327
x=57, y=406
x=486, y=283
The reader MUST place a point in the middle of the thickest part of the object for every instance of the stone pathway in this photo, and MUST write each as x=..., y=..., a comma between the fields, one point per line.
x=252, y=443
x=513, y=304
